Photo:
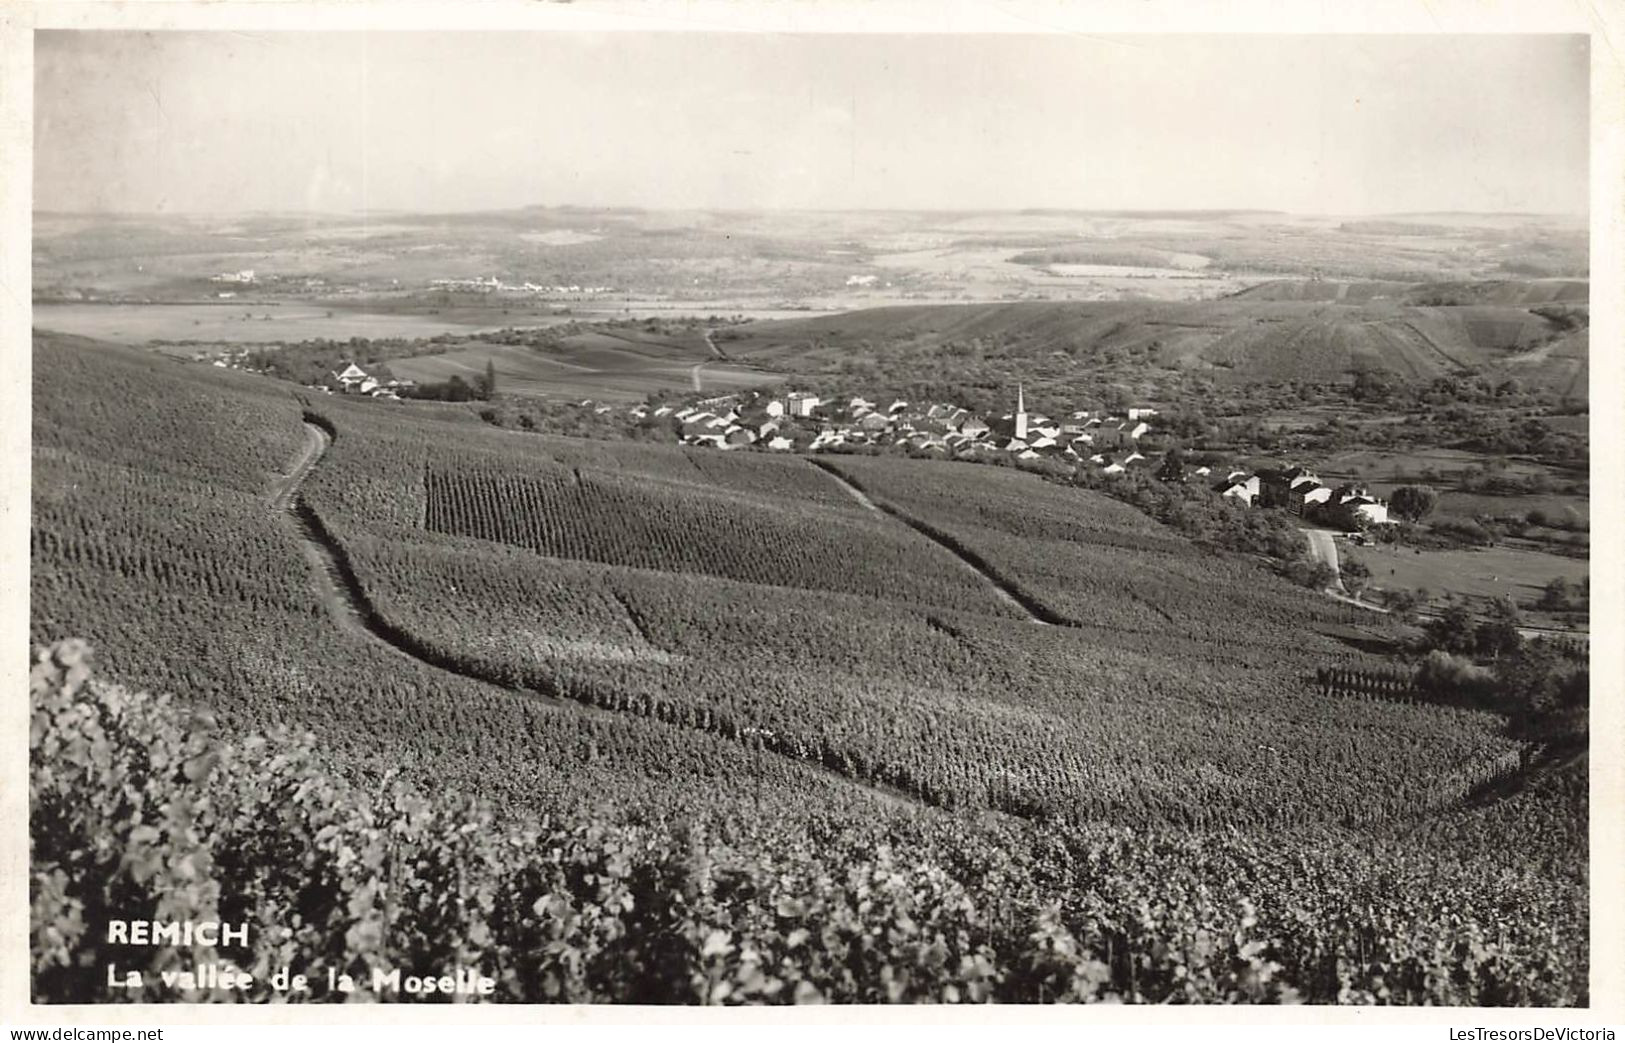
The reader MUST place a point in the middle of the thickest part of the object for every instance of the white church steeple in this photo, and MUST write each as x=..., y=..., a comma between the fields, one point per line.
x=1021, y=413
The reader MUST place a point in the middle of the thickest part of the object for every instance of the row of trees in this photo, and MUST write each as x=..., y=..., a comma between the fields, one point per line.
x=456, y=389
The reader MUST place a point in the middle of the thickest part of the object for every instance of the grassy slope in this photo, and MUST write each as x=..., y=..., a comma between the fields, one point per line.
x=593, y=365
x=1245, y=337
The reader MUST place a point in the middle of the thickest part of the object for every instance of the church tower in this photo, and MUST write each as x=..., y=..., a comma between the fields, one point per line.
x=1021, y=413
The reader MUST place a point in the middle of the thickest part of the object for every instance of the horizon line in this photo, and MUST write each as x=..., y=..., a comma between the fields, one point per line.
x=637, y=208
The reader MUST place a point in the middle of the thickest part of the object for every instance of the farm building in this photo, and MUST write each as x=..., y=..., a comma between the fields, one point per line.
x=1243, y=488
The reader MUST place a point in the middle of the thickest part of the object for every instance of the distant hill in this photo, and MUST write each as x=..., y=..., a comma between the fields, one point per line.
x=1534, y=330
x=1521, y=293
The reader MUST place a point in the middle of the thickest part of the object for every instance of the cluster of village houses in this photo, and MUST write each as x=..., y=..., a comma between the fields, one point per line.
x=1301, y=491
x=804, y=422
x=494, y=285
x=351, y=380
x=1108, y=441
x=801, y=421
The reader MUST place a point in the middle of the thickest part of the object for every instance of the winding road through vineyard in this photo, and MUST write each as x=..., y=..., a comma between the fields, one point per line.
x=341, y=593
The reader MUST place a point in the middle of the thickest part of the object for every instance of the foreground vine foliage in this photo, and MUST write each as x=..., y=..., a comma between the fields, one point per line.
x=141, y=810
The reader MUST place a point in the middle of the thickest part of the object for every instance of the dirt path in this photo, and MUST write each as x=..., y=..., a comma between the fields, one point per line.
x=1323, y=549
x=284, y=488
x=341, y=594
x=1001, y=588
x=716, y=356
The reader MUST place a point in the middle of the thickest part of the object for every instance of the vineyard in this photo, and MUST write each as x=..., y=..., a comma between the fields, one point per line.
x=776, y=739
x=658, y=584
x=773, y=905
x=1097, y=563
x=617, y=519
x=193, y=584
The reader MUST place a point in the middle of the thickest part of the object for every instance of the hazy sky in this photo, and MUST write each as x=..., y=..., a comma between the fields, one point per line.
x=447, y=121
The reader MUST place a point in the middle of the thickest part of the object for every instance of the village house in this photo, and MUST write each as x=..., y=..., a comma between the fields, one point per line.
x=1305, y=495
x=353, y=380
x=1241, y=487
x=1353, y=507
x=1109, y=437
x=974, y=427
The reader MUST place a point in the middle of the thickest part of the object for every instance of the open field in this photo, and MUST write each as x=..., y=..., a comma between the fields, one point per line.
x=1490, y=572
x=237, y=322
x=591, y=365
x=1383, y=466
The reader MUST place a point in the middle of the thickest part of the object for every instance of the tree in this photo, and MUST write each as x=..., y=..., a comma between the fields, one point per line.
x=1355, y=574
x=1453, y=631
x=1557, y=596
x=488, y=386
x=1413, y=502
x=1498, y=633
x=1372, y=385
x=1173, y=466
x=1402, y=604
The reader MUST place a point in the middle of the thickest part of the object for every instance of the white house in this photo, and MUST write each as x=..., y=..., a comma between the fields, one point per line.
x=353, y=379
x=1241, y=487
x=802, y=404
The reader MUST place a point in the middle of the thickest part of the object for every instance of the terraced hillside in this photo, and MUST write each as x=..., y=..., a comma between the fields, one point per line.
x=748, y=595
x=807, y=742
